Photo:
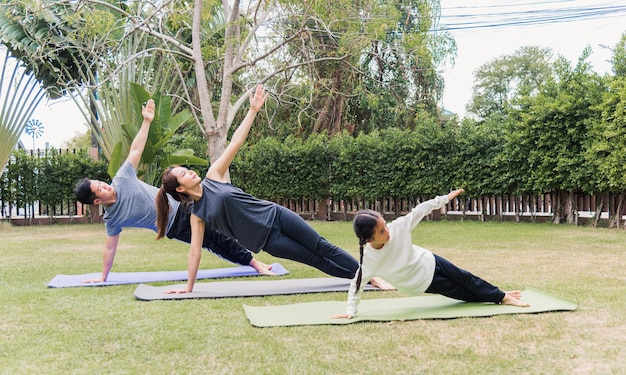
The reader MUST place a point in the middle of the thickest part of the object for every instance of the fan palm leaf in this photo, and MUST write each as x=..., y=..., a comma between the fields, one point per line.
x=20, y=94
x=117, y=101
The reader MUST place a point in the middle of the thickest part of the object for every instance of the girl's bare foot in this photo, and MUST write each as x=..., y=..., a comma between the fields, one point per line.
x=513, y=299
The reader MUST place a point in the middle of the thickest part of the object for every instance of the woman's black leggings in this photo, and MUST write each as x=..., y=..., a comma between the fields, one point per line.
x=292, y=238
x=453, y=282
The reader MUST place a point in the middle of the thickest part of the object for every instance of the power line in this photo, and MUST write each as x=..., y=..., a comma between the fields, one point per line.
x=506, y=18
x=512, y=4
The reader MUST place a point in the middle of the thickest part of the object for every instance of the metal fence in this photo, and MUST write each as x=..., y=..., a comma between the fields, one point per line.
x=607, y=209
x=35, y=211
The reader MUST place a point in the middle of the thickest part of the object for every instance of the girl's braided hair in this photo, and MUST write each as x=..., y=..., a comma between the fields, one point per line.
x=363, y=224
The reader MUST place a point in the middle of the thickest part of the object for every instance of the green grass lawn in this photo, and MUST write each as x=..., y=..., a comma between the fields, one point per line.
x=105, y=330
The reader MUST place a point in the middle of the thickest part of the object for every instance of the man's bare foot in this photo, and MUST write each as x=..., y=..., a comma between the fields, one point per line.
x=381, y=284
x=513, y=299
x=261, y=268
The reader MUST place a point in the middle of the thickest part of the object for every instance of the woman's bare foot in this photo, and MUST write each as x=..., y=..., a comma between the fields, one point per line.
x=261, y=268
x=381, y=284
x=513, y=299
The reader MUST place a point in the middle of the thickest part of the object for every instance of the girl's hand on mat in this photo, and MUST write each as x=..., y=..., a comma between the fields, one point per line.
x=176, y=291
x=343, y=316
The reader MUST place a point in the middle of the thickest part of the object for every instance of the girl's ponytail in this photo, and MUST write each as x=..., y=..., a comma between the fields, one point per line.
x=360, y=271
x=364, y=223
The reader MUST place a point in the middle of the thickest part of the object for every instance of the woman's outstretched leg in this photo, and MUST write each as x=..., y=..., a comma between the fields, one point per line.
x=285, y=247
x=292, y=238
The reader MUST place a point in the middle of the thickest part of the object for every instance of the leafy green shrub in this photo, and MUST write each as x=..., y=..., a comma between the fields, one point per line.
x=48, y=179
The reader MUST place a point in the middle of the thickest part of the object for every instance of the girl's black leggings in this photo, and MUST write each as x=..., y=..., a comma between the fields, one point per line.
x=451, y=281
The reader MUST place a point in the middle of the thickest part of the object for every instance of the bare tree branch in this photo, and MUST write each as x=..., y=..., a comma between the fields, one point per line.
x=140, y=24
x=203, y=89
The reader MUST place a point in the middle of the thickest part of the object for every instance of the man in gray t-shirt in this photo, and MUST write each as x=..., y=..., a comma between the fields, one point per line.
x=130, y=202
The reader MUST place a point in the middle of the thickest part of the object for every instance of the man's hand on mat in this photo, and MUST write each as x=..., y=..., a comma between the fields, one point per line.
x=343, y=316
x=176, y=291
x=89, y=281
x=261, y=268
x=381, y=284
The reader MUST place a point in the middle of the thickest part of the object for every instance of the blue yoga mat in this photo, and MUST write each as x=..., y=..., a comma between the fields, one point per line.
x=119, y=278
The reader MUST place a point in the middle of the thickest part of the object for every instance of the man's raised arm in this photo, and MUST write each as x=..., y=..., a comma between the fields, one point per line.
x=139, y=143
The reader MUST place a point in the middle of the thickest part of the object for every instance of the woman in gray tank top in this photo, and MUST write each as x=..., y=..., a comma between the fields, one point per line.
x=257, y=224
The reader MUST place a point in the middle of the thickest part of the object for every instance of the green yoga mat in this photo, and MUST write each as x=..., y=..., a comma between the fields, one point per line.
x=404, y=308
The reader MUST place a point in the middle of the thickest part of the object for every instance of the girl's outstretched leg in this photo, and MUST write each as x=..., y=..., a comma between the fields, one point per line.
x=453, y=282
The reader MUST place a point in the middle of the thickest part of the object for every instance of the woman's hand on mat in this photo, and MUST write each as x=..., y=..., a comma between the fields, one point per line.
x=265, y=272
x=176, y=291
x=381, y=284
x=261, y=268
x=343, y=316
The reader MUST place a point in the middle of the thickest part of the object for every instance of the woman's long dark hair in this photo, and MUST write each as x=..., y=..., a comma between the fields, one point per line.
x=169, y=183
x=363, y=224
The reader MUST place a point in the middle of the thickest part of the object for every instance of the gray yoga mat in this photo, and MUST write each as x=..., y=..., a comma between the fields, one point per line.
x=403, y=308
x=247, y=288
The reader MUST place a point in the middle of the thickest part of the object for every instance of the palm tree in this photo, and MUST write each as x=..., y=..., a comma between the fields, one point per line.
x=97, y=72
x=116, y=86
x=20, y=94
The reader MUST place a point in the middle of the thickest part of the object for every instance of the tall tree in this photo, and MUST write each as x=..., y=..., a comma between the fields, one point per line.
x=606, y=155
x=497, y=82
x=223, y=49
x=618, y=59
x=554, y=126
x=39, y=39
x=399, y=83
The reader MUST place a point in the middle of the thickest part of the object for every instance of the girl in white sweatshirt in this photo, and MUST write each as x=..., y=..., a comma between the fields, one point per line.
x=386, y=251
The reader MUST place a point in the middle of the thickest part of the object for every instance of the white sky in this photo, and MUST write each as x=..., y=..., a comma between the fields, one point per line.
x=61, y=121
x=565, y=26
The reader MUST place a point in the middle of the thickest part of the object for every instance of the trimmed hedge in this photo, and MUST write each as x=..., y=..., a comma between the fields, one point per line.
x=389, y=163
x=48, y=179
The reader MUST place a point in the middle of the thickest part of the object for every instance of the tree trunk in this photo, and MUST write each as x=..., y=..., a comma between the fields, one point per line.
x=618, y=210
x=557, y=208
x=324, y=114
x=332, y=112
x=215, y=130
x=598, y=212
x=569, y=207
